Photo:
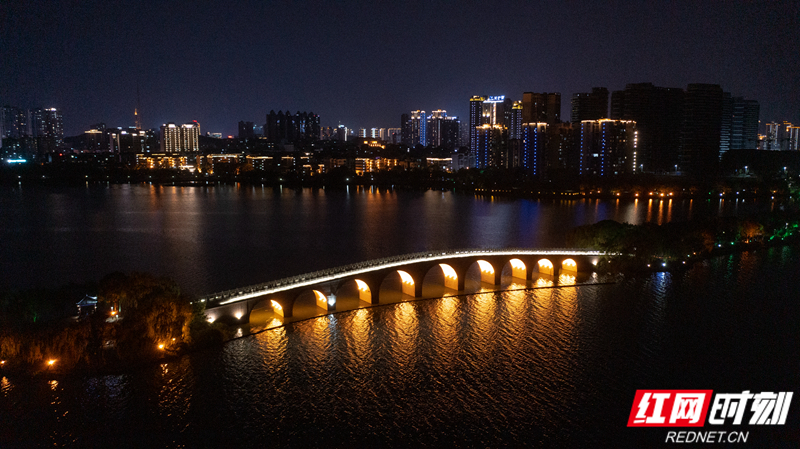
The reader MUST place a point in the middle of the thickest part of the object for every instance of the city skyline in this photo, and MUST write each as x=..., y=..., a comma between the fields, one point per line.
x=364, y=65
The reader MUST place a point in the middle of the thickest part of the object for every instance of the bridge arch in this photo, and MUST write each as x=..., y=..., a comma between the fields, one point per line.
x=354, y=293
x=518, y=268
x=545, y=267
x=486, y=271
x=437, y=278
x=262, y=311
x=569, y=265
x=310, y=303
x=451, y=278
x=407, y=283
x=401, y=280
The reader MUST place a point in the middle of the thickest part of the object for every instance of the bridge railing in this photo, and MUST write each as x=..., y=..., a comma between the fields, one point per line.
x=321, y=274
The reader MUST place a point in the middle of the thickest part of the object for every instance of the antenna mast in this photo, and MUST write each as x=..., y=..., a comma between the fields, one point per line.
x=136, y=115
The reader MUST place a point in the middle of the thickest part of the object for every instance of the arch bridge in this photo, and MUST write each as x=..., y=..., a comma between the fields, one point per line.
x=406, y=273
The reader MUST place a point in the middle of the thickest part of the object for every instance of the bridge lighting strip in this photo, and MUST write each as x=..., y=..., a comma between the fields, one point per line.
x=442, y=256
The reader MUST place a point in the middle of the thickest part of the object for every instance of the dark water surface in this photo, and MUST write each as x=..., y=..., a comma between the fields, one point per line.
x=555, y=367
x=217, y=238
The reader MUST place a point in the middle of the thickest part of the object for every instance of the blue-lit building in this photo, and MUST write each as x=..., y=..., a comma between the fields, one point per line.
x=608, y=147
x=490, y=146
x=533, y=157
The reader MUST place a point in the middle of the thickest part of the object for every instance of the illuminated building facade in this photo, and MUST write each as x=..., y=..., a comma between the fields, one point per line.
x=781, y=137
x=533, y=148
x=47, y=127
x=608, y=147
x=475, y=120
x=161, y=161
x=515, y=122
x=792, y=138
x=418, y=128
x=47, y=122
x=496, y=111
x=744, y=124
x=180, y=139
x=491, y=146
x=442, y=131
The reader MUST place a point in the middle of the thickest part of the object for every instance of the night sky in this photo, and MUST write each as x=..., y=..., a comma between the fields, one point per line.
x=362, y=64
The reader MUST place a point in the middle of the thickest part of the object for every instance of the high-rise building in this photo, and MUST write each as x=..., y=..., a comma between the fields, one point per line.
x=658, y=113
x=781, y=137
x=442, y=130
x=608, y=147
x=541, y=107
x=515, y=124
x=418, y=128
x=450, y=133
x=702, y=128
x=590, y=105
x=475, y=120
x=180, y=139
x=378, y=133
x=285, y=127
x=170, y=138
x=725, y=124
x=47, y=127
x=563, y=154
x=533, y=151
x=496, y=111
x=394, y=135
x=490, y=146
x=47, y=122
x=744, y=124
x=190, y=136
x=792, y=138
x=433, y=127
x=405, y=129
x=130, y=140
x=13, y=123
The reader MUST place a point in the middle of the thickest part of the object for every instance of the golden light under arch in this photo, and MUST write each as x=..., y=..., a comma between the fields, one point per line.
x=450, y=276
x=518, y=269
x=407, y=282
x=545, y=266
x=364, y=293
x=321, y=299
x=487, y=271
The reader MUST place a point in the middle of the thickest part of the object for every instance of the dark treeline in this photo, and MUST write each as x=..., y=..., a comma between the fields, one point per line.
x=678, y=244
x=138, y=318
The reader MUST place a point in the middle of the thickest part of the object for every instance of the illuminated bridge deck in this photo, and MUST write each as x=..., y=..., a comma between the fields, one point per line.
x=408, y=271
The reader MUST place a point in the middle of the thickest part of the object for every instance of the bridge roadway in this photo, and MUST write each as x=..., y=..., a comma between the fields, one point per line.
x=235, y=306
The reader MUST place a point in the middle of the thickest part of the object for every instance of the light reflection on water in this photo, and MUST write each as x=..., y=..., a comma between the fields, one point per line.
x=551, y=366
x=217, y=238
